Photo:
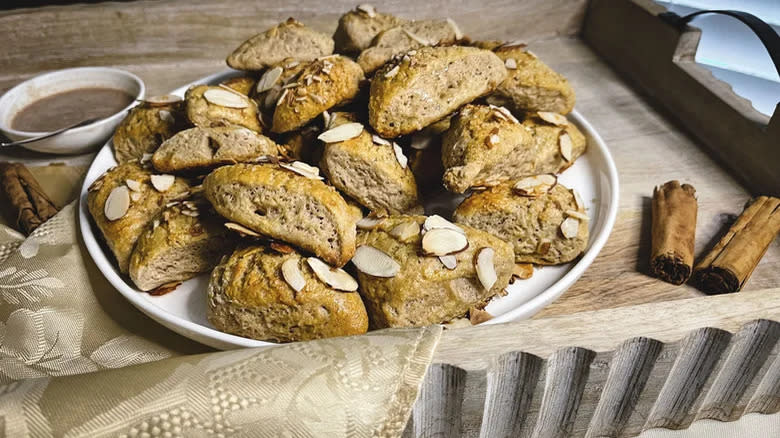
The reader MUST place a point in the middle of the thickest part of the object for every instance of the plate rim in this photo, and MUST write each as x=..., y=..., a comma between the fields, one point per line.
x=221, y=340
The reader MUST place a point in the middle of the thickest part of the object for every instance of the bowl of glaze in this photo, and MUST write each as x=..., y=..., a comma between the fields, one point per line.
x=78, y=140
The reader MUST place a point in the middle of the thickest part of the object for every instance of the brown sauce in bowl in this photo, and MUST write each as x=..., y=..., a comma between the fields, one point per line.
x=69, y=107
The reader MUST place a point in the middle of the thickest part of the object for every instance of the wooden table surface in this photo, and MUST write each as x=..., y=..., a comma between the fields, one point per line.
x=171, y=43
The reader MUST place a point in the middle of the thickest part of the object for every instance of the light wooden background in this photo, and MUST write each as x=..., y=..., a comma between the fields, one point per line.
x=173, y=42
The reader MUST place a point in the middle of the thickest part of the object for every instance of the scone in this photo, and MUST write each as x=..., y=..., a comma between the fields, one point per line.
x=484, y=146
x=423, y=88
x=290, y=39
x=403, y=287
x=321, y=85
x=358, y=28
x=201, y=149
x=551, y=134
x=146, y=126
x=531, y=85
x=186, y=239
x=546, y=228
x=405, y=37
x=125, y=200
x=287, y=203
x=208, y=106
x=243, y=84
x=262, y=294
x=372, y=171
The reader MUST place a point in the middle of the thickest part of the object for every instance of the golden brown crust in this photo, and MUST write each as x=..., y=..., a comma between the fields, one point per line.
x=184, y=240
x=145, y=128
x=200, y=149
x=546, y=139
x=532, y=85
x=532, y=225
x=206, y=114
x=286, y=206
x=249, y=297
x=424, y=291
x=321, y=85
x=121, y=234
x=452, y=76
x=289, y=39
x=243, y=84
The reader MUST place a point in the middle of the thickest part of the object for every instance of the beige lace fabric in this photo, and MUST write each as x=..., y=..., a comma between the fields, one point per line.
x=76, y=359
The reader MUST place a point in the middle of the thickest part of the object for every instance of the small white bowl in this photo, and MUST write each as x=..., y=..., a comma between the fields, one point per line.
x=78, y=140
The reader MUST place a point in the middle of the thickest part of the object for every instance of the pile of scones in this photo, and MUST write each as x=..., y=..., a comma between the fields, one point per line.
x=299, y=183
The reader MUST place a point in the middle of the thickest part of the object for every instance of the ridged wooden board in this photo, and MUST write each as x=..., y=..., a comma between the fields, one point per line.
x=643, y=384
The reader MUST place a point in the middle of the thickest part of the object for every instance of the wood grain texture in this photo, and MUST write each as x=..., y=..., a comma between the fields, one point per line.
x=640, y=385
x=174, y=42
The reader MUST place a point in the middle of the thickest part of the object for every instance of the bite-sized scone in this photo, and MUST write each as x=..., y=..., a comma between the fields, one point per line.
x=186, y=239
x=125, y=200
x=201, y=149
x=286, y=202
x=148, y=125
x=209, y=106
x=551, y=134
x=408, y=36
x=403, y=287
x=545, y=227
x=484, y=146
x=290, y=39
x=531, y=85
x=243, y=84
x=321, y=85
x=263, y=294
x=423, y=88
x=372, y=171
x=357, y=28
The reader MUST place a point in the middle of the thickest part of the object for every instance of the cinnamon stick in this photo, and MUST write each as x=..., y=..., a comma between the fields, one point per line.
x=729, y=264
x=23, y=199
x=674, y=231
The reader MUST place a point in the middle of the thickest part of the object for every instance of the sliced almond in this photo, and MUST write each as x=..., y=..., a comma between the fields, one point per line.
x=135, y=196
x=399, y=155
x=133, y=185
x=162, y=183
x=166, y=116
x=300, y=170
x=306, y=167
x=368, y=9
x=325, y=119
x=478, y=316
x=392, y=72
x=554, y=118
x=190, y=213
x=334, y=277
x=443, y=241
x=374, y=262
x=455, y=28
x=421, y=141
x=510, y=63
x=368, y=223
x=449, y=261
x=223, y=97
x=505, y=112
x=578, y=215
x=492, y=140
x=164, y=99
x=281, y=248
x=534, y=186
x=417, y=38
x=486, y=270
x=435, y=221
x=292, y=274
x=515, y=43
x=240, y=229
x=566, y=146
x=269, y=79
x=379, y=140
x=543, y=247
x=570, y=227
x=164, y=289
x=146, y=157
x=117, y=203
x=341, y=132
x=405, y=230
x=523, y=271
x=155, y=223
x=281, y=97
x=578, y=200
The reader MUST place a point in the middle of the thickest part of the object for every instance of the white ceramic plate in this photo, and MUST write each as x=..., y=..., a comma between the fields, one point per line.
x=184, y=311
